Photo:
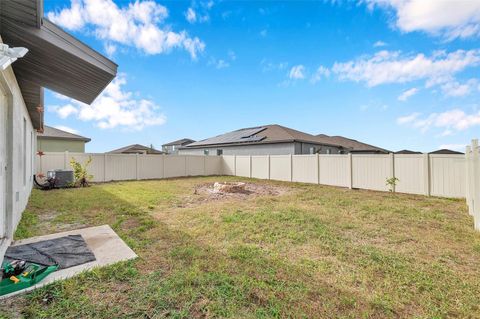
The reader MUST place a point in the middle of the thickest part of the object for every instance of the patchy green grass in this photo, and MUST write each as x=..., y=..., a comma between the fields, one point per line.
x=314, y=251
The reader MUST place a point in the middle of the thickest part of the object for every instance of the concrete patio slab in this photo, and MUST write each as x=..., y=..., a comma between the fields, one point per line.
x=105, y=244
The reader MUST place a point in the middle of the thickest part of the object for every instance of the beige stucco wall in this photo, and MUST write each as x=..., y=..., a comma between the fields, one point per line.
x=57, y=145
x=20, y=152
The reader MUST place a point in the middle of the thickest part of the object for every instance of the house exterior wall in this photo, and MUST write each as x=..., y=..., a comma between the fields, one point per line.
x=58, y=145
x=304, y=148
x=260, y=149
x=171, y=149
x=296, y=148
x=17, y=160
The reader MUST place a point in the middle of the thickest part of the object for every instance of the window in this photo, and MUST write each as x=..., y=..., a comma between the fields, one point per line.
x=329, y=151
x=173, y=147
x=313, y=150
x=205, y=152
x=219, y=152
x=24, y=152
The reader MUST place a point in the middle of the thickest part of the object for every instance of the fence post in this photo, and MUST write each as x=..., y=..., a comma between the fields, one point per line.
x=65, y=160
x=250, y=174
x=476, y=183
x=163, y=165
x=426, y=174
x=291, y=167
x=350, y=171
x=268, y=158
x=137, y=177
x=469, y=178
x=392, y=169
x=104, y=167
x=185, y=166
x=205, y=166
x=317, y=164
x=234, y=165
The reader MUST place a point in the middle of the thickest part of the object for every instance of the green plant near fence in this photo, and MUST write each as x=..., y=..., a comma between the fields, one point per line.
x=80, y=172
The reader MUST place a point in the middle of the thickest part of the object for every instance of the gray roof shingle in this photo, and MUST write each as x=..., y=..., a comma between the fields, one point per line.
x=353, y=145
x=183, y=141
x=54, y=133
x=134, y=149
x=265, y=134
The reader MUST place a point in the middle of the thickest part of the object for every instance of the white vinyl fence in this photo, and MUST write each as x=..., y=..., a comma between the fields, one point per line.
x=118, y=167
x=425, y=174
x=472, y=155
x=438, y=175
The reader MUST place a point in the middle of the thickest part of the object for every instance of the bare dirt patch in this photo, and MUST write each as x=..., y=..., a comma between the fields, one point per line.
x=207, y=192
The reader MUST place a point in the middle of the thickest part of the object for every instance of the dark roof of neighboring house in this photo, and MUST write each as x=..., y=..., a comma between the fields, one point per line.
x=407, y=152
x=183, y=141
x=55, y=60
x=353, y=145
x=266, y=134
x=445, y=151
x=135, y=148
x=54, y=133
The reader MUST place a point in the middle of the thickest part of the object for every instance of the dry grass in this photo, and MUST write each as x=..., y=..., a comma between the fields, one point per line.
x=308, y=251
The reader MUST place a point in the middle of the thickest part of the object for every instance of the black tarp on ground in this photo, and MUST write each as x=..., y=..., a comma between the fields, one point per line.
x=65, y=252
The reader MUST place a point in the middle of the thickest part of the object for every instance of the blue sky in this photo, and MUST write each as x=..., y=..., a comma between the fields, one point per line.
x=397, y=74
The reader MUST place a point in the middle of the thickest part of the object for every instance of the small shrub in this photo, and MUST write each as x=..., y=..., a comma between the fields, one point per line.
x=80, y=172
x=392, y=183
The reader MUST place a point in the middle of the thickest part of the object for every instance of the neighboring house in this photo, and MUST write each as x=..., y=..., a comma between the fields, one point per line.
x=262, y=140
x=55, y=60
x=353, y=146
x=136, y=149
x=406, y=152
x=55, y=140
x=445, y=151
x=172, y=147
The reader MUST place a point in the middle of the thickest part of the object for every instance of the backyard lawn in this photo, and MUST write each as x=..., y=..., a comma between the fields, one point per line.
x=292, y=250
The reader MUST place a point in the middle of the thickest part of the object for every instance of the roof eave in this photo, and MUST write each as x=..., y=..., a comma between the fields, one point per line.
x=259, y=143
x=56, y=60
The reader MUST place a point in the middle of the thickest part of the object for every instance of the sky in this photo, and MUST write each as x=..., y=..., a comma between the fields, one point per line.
x=399, y=74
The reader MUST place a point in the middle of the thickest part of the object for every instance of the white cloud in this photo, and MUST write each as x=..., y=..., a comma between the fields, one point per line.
x=218, y=63
x=115, y=107
x=322, y=72
x=191, y=15
x=407, y=94
x=392, y=67
x=221, y=64
x=297, y=72
x=138, y=25
x=65, y=110
x=408, y=118
x=379, y=44
x=268, y=66
x=449, y=19
x=455, y=147
x=110, y=49
x=449, y=121
x=67, y=129
x=438, y=69
x=199, y=12
x=456, y=89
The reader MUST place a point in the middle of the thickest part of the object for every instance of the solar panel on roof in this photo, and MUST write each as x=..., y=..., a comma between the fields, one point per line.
x=241, y=136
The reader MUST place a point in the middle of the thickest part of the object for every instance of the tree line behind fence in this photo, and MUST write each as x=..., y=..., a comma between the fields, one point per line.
x=426, y=174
